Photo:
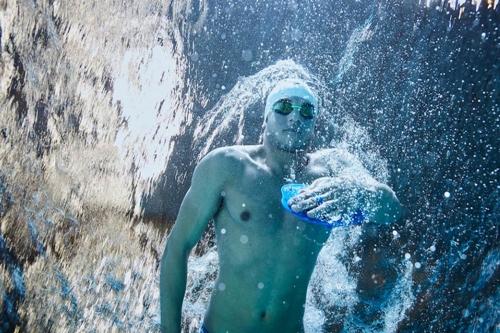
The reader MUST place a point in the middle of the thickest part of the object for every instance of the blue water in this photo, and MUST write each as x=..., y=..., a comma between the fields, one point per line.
x=107, y=109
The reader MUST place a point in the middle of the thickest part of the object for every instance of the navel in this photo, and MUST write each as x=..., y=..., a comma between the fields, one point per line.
x=245, y=215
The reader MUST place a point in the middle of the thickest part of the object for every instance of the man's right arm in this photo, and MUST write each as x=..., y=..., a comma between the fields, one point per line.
x=197, y=208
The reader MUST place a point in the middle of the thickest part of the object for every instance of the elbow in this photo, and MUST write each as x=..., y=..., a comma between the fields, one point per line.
x=390, y=208
x=172, y=254
x=394, y=211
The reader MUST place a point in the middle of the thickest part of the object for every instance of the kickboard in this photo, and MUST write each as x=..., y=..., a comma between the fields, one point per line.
x=290, y=190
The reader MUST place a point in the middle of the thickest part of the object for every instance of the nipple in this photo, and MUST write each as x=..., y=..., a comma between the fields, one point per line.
x=245, y=215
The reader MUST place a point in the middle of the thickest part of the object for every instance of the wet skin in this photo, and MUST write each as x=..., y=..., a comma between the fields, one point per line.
x=266, y=254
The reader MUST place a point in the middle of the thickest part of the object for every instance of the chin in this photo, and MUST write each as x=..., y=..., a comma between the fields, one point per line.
x=287, y=145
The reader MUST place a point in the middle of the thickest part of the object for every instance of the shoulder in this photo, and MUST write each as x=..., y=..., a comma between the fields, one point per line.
x=225, y=154
x=217, y=166
x=223, y=158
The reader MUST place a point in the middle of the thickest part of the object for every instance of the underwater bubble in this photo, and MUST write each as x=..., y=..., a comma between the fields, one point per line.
x=247, y=55
x=244, y=239
x=407, y=256
x=447, y=194
x=223, y=231
x=432, y=248
x=223, y=193
x=296, y=34
x=260, y=285
x=418, y=265
x=221, y=286
x=243, y=205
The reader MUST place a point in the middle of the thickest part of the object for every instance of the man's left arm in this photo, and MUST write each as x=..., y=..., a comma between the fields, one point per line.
x=346, y=191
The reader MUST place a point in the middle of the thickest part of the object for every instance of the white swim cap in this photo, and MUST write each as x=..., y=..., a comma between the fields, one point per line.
x=290, y=88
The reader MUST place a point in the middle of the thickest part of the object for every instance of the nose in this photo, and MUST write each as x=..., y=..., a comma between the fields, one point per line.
x=294, y=118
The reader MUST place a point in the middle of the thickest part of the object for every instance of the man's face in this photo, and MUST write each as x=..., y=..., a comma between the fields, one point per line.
x=290, y=132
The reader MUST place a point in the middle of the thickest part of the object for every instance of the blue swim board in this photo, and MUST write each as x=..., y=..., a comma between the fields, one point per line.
x=290, y=190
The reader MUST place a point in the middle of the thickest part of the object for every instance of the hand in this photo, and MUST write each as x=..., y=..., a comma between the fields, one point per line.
x=334, y=197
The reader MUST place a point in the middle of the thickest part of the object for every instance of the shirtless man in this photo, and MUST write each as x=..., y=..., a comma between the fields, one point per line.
x=266, y=254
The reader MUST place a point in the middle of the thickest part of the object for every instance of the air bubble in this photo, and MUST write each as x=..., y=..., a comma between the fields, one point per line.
x=223, y=231
x=260, y=285
x=247, y=55
x=244, y=239
x=221, y=286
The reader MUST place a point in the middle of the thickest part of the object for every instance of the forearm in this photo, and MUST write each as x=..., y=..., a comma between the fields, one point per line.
x=377, y=200
x=384, y=206
x=173, y=275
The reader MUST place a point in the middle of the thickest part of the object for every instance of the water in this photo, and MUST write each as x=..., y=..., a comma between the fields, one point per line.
x=106, y=108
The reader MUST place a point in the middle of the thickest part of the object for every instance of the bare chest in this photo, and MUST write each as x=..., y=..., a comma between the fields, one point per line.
x=253, y=228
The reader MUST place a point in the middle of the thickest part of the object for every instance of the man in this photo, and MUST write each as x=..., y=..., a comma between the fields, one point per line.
x=266, y=253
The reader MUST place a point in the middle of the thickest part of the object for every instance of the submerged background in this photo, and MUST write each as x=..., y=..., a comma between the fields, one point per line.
x=106, y=106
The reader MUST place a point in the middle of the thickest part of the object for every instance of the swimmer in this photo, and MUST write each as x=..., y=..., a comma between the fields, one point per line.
x=266, y=253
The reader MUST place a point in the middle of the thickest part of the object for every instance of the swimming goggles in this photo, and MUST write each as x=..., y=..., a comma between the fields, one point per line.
x=285, y=106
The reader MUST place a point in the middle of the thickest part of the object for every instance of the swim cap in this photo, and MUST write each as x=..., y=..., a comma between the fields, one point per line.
x=290, y=88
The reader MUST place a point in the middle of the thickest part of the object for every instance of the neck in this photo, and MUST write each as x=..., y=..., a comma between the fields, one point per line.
x=281, y=161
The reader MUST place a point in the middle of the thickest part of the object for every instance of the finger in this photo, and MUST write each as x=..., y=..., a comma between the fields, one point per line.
x=324, y=210
x=301, y=197
x=326, y=191
x=312, y=201
x=304, y=204
x=329, y=217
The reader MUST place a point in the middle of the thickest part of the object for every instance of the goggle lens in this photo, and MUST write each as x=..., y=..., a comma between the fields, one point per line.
x=285, y=107
x=307, y=110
